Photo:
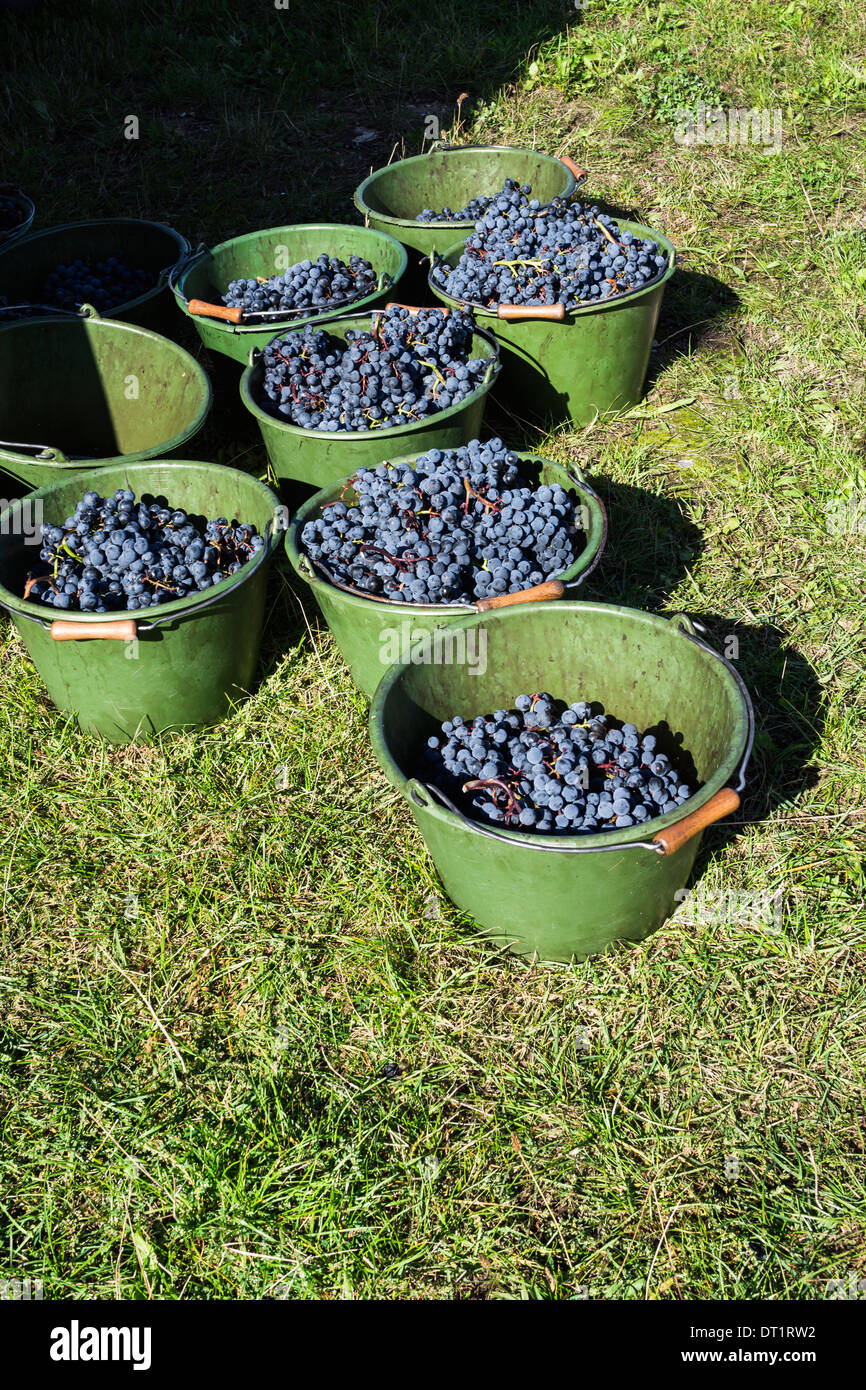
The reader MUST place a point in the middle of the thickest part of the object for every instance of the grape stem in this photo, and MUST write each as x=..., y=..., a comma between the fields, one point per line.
x=486, y=502
x=603, y=228
x=479, y=782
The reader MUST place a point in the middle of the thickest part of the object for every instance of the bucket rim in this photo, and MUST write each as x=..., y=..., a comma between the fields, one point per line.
x=630, y=836
x=387, y=432
x=358, y=197
x=99, y=324
x=322, y=315
x=184, y=246
x=572, y=577
x=578, y=311
x=148, y=617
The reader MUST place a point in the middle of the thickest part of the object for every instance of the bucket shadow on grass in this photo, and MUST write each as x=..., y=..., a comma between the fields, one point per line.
x=284, y=625
x=789, y=719
x=694, y=309
x=229, y=417
x=651, y=547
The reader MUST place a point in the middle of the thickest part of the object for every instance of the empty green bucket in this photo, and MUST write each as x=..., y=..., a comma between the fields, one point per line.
x=575, y=364
x=82, y=392
x=322, y=457
x=565, y=897
x=208, y=272
x=391, y=198
x=370, y=633
x=26, y=264
x=182, y=665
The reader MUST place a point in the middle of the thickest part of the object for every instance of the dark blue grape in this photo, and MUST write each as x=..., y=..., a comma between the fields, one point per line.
x=476, y=207
x=566, y=253
x=308, y=284
x=95, y=564
x=105, y=284
x=523, y=783
x=404, y=368
x=457, y=525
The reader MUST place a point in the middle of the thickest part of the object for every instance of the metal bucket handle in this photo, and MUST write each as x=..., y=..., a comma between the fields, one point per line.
x=44, y=308
x=690, y=628
x=579, y=478
x=554, y=313
x=234, y=314
x=667, y=841
x=539, y=593
x=183, y=263
x=85, y=311
x=45, y=453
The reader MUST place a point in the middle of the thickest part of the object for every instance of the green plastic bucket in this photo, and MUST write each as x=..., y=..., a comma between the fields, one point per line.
x=26, y=209
x=26, y=263
x=81, y=392
x=182, y=665
x=391, y=198
x=208, y=272
x=566, y=897
x=321, y=457
x=592, y=359
x=369, y=634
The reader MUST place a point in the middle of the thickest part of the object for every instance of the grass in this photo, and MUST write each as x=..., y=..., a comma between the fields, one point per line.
x=248, y=1049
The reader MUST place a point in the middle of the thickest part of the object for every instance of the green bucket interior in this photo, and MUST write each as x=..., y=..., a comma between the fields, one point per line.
x=272, y=251
x=26, y=264
x=644, y=669
x=95, y=389
x=451, y=178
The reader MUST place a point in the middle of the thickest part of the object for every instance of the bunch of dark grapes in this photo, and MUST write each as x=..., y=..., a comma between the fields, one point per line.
x=565, y=253
x=118, y=554
x=548, y=766
x=405, y=367
x=476, y=207
x=11, y=214
x=104, y=285
x=456, y=527
x=308, y=285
